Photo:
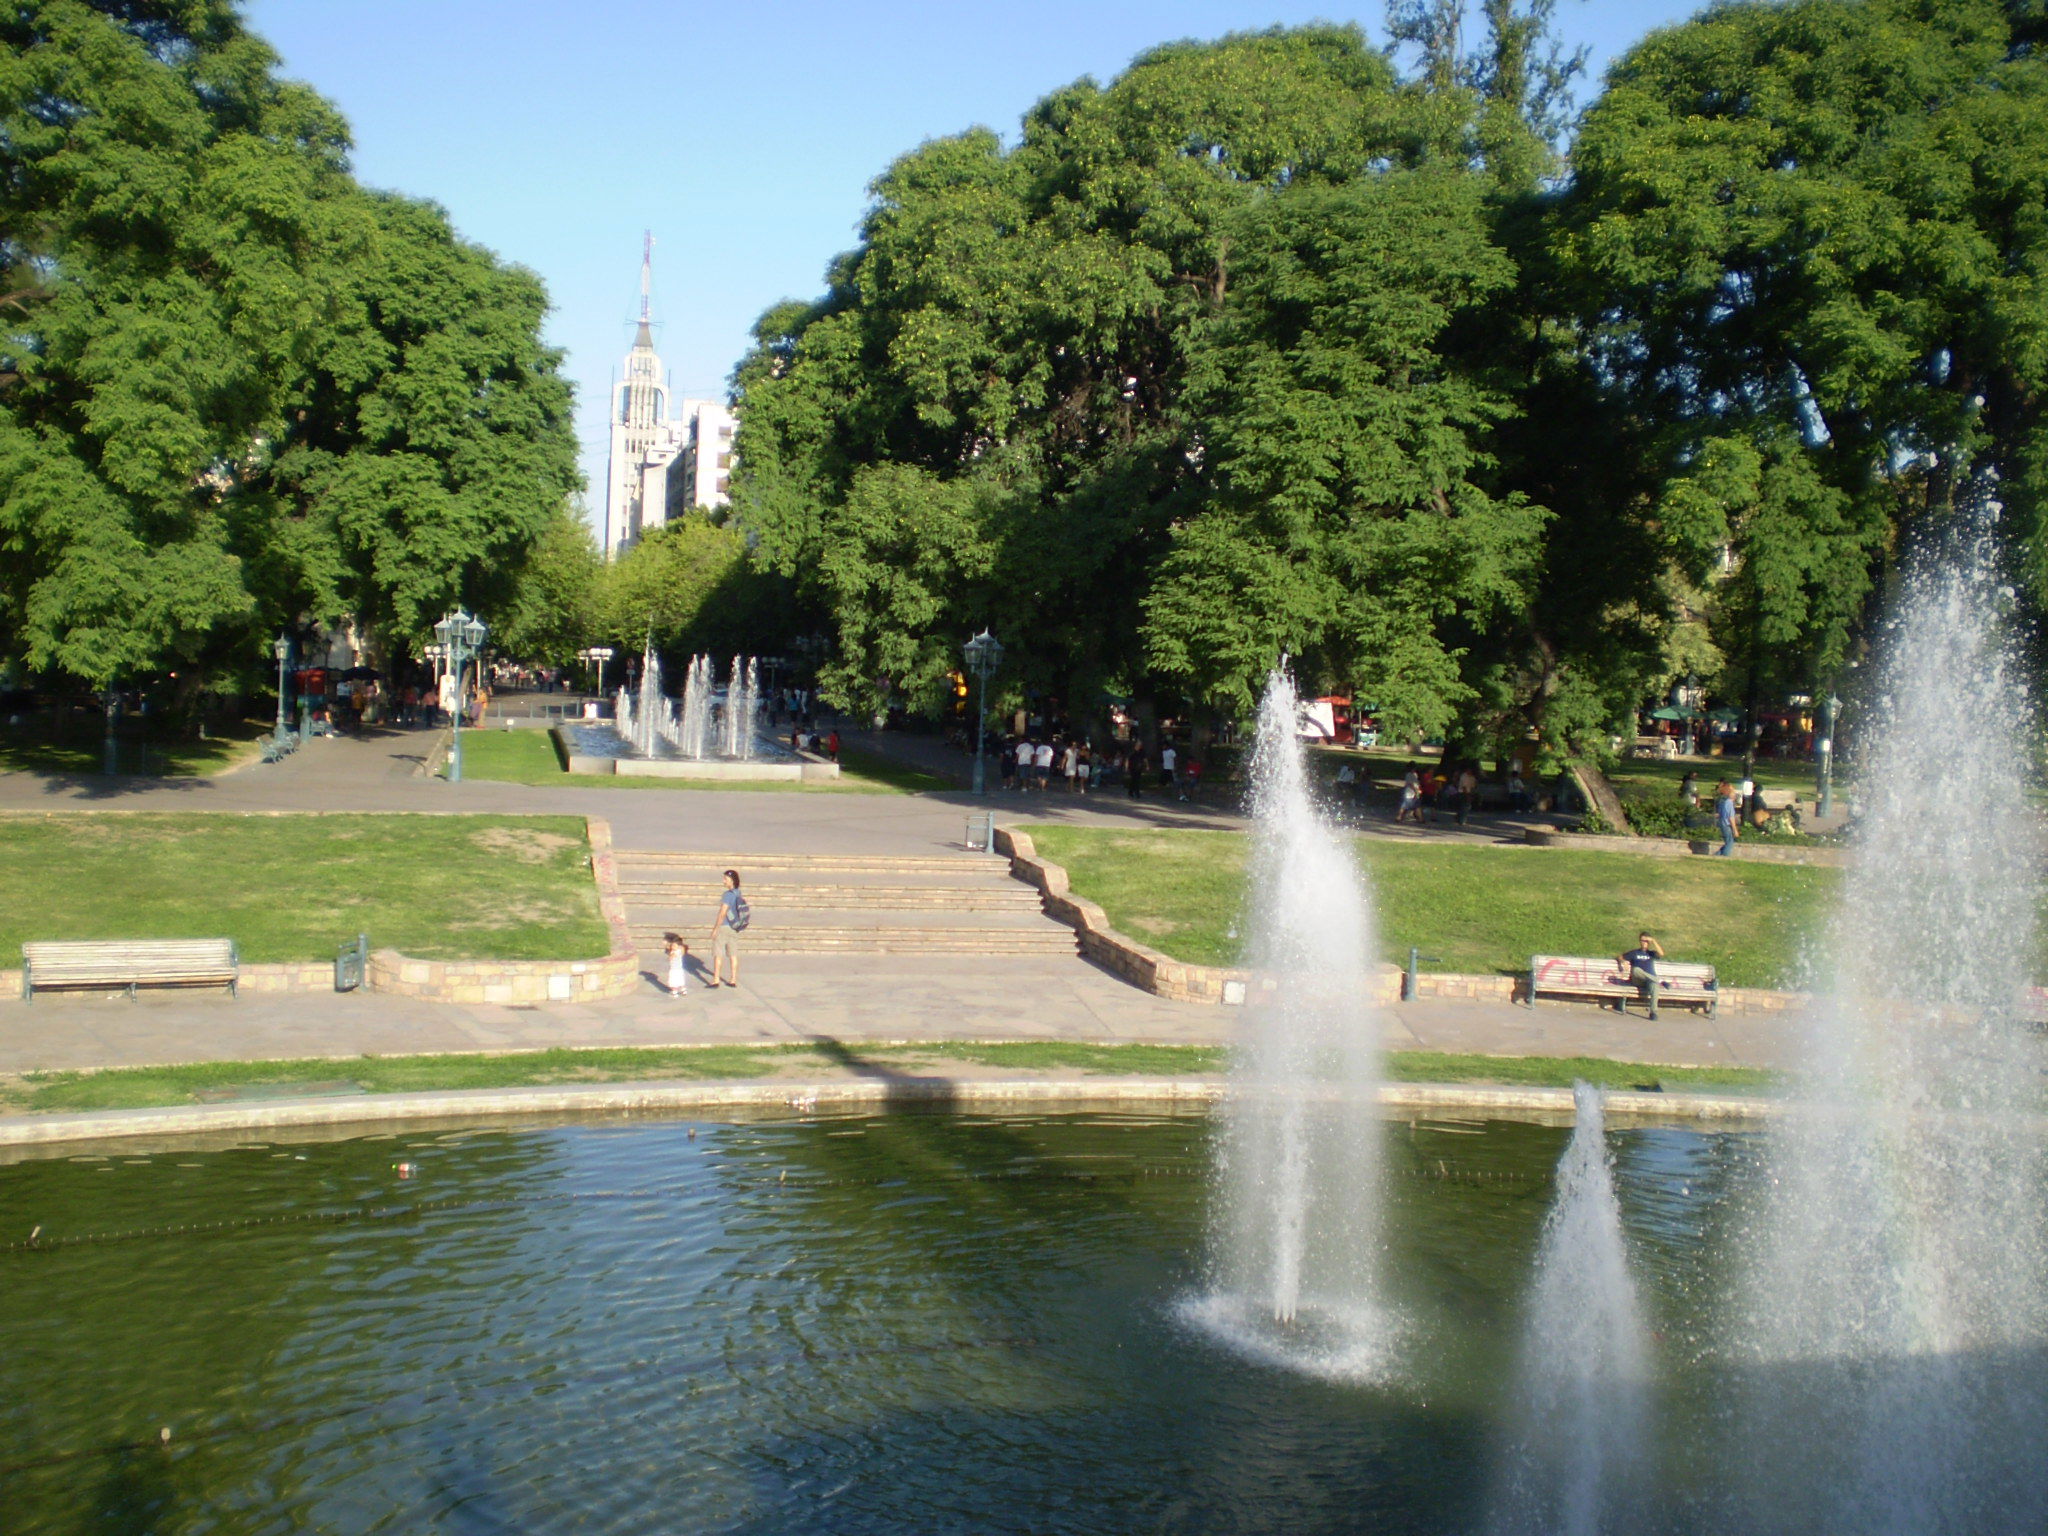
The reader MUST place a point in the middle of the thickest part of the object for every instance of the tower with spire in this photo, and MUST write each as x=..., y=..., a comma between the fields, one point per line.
x=666, y=456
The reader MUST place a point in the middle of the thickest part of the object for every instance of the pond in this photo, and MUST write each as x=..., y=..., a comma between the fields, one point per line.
x=880, y=1323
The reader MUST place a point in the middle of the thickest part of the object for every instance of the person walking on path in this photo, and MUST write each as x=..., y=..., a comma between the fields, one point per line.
x=1023, y=763
x=1134, y=773
x=1639, y=965
x=1724, y=817
x=1167, y=758
x=728, y=919
x=1042, y=759
x=1070, y=766
x=1410, y=808
x=1468, y=791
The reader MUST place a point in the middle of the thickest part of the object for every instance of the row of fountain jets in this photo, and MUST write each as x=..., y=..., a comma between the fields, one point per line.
x=699, y=724
x=1883, y=1344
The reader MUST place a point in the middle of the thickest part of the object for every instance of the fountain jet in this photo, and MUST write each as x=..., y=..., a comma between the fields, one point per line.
x=1896, y=1312
x=1575, y=1461
x=1296, y=1231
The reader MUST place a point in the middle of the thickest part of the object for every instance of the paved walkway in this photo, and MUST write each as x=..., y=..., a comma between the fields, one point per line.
x=793, y=998
x=786, y=998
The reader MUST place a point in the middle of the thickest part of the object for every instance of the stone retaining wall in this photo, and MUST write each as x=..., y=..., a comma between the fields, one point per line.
x=1143, y=967
x=615, y=974
x=1183, y=981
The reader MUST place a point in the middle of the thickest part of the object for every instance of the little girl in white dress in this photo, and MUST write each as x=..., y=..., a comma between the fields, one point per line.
x=678, y=957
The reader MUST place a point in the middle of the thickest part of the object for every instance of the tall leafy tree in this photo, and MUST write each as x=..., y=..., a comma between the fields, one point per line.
x=236, y=389
x=1812, y=242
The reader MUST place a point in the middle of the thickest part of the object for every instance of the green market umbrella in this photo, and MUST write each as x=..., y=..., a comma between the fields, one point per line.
x=1670, y=712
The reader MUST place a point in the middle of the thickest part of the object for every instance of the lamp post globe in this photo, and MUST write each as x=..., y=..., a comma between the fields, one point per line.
x=461, y=636
x=984, y=653
x=1830, y=706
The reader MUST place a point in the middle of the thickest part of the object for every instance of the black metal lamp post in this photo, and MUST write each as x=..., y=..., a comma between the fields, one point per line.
x=1829, y=707
x=283, y=649
x=463, y=637
x=984, y=654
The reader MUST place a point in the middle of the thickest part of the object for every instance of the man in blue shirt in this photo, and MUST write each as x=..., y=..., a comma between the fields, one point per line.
x=1639, y=965
x=727, y=918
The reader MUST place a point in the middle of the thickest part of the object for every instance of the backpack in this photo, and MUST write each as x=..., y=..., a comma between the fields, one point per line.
x=742, y=914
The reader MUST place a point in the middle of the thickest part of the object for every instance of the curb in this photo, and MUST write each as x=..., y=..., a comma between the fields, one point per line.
x=1194, y=1093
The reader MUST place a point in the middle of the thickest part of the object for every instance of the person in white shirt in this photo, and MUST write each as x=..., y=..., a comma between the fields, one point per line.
x=1044, y=763
x=1023, y=765
x=1167, y=758
x=1070, y=765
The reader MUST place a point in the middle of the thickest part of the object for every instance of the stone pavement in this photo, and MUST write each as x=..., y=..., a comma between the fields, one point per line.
x=794, y=998
x=853, y=997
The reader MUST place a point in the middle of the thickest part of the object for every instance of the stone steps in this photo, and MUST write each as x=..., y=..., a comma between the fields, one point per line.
x=970, y=865
x=876, y=939
x=1012, y=897
x=849, y=904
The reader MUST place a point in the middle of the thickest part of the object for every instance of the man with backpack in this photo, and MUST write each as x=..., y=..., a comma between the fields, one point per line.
x=728, y=921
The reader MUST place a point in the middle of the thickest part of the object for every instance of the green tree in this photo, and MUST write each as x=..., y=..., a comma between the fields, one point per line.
x=236, y=389
x=1810, y=236
x=556, y=606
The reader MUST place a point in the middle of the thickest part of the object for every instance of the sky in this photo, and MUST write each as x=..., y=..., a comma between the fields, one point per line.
x=743, y=135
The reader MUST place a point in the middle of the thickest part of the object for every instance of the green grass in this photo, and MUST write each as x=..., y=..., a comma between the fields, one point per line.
x=77, y=747
x=528, y=757
x=1657, y=775
x=292, y=887
x=216, y=1082
x=1475, y=908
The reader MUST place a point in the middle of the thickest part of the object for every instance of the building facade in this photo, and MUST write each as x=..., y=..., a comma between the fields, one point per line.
x=666, y=457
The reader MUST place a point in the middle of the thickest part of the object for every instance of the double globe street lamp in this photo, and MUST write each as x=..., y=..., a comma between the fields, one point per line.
x=984, y=654
x=461, y=637
x=283, y=648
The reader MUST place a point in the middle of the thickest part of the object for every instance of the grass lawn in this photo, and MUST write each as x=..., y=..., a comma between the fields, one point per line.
x=1476, y=908
x=528, y=757
x=215, y=1082
x=77, y=746
x=294, y=887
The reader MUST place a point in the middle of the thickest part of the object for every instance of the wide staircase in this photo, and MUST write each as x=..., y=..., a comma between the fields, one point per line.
x=858, y=904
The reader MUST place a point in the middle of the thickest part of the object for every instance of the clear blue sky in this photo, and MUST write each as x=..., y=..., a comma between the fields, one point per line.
x=743, y=134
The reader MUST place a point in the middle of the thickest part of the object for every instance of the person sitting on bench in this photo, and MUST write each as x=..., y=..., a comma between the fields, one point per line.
x=1639, y=965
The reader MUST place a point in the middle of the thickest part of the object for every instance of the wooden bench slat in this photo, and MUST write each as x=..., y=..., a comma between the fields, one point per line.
x=129, y=963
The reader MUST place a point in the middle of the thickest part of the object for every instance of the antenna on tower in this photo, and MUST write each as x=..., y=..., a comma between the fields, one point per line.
x=646, y=271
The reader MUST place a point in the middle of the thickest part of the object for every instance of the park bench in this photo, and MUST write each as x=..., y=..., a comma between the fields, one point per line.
x=1601, y=980
x=277, y=748
x=129, y=963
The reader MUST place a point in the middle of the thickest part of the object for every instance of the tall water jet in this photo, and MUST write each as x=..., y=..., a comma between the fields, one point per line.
x=1576, y=1458
x=693, y=726
x=747, y=701
x=1294, y=1263
x=1895, y=1325
x=648, y=708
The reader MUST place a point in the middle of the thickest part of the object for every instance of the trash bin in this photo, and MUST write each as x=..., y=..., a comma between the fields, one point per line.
x=352, y=963
x=981, y=832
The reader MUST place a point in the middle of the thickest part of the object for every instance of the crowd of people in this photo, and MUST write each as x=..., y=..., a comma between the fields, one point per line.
x=1079, y=767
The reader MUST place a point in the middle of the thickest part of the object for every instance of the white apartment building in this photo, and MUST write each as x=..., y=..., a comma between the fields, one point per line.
x=664, y=461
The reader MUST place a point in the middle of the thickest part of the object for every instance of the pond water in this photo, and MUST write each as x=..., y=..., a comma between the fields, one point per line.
x=884, y=1323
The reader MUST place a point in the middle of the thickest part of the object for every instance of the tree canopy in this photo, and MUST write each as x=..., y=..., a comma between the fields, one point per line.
x=237, y=390
x=1284, y=344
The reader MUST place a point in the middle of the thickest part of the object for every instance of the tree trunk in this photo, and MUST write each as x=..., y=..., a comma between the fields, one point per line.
x=1601, y=795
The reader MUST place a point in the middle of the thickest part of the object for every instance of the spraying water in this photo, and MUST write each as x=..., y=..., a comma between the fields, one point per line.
x=693, y=731
x=1575, y=1464
x=1897, y=1309
x=1296, y=1228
